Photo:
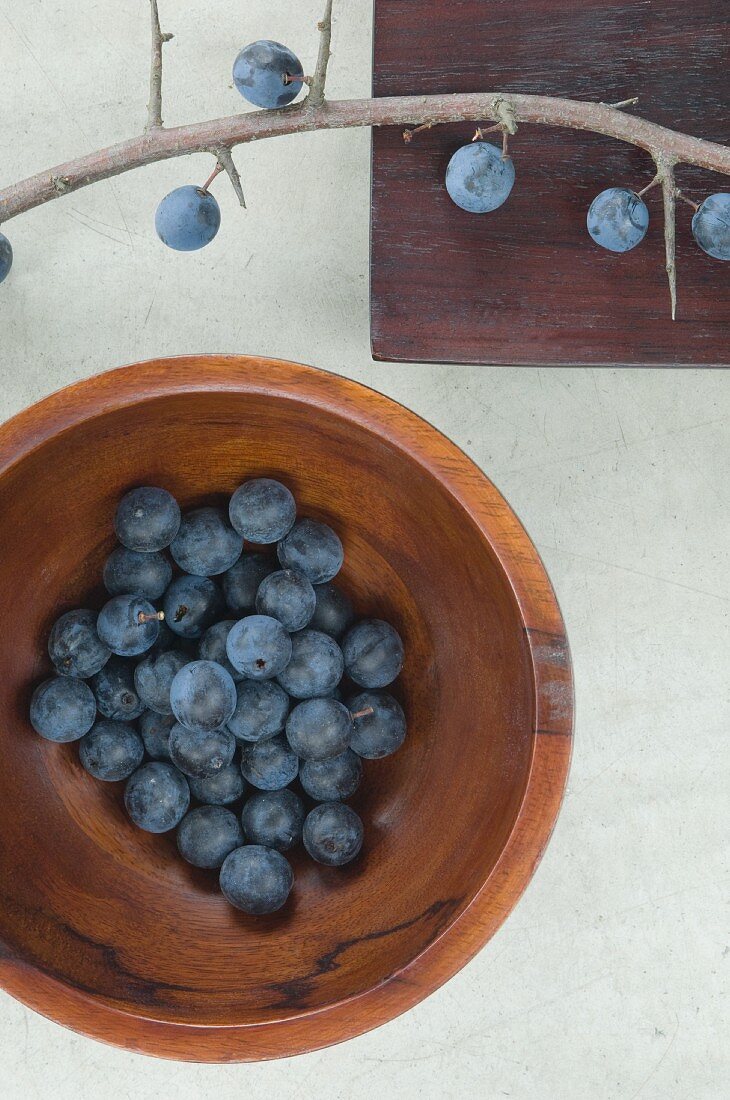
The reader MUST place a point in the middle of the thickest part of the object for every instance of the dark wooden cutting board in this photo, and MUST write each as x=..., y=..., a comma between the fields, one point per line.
x=526, y=284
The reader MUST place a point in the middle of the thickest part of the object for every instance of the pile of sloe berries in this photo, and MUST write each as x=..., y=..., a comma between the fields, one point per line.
x=221, y=694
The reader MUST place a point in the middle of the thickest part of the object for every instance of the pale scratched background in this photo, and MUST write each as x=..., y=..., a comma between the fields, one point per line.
x=610, y=979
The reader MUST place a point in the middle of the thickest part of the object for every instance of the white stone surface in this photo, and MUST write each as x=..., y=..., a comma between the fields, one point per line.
x=610, y=978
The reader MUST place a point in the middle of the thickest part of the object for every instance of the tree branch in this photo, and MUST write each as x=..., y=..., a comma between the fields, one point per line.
x=154, y=107
x=668, y=148
x=200, y=137
x=317, y=85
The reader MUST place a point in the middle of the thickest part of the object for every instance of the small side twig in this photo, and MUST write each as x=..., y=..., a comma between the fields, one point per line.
x=317, y=85
x=154, y=107
x=624, y=103
x=227, y=164
x=481, y=131
x=408, y=135
x=669, y=193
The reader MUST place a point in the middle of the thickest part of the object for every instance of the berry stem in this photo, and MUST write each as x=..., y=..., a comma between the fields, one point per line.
x=216, y=172
x=681, y=195
x=143, y=617
x=288, y=79
x=657, y=179
x=362, y=713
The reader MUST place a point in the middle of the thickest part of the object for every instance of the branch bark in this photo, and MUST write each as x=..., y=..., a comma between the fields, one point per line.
x=154, y=107
x=317, y=85
x=163, y=144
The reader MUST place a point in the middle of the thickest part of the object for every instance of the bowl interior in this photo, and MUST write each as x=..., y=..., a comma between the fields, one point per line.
x=113, y=911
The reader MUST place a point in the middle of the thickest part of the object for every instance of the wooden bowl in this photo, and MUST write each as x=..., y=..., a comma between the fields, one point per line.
x=103, y=927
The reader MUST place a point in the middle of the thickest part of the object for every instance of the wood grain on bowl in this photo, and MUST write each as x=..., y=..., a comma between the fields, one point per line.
x=102, y=927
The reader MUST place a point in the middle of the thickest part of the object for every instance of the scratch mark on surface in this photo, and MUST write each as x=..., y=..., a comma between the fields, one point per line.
x=650, y=901
x=95, y=230
x=26, y=43
x=152, y=302
x=650, y=438
x=115, y=196
x=88, y=217
x=670, y=1044
x=701, y=773
x=70, y=114
x=597, y=776
x=635, y=572
x=573, y=396
x=621, y=429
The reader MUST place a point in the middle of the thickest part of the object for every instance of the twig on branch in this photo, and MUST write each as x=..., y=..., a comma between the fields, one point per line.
x=318, y=81
x=227, y=164
x=669, y=193
x=624, y=103
x=481, y=131
x=408, y=135
x=507, y=127
x=154, y=107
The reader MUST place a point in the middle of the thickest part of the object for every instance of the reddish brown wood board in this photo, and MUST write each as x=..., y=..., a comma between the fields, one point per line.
x=526, y=284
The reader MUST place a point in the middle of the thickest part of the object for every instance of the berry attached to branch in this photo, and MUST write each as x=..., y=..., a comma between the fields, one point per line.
x=271, y=76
